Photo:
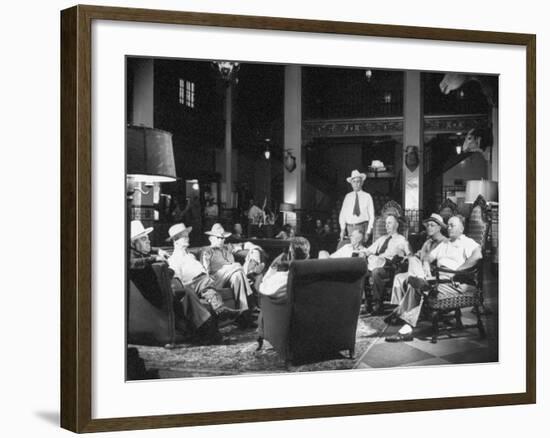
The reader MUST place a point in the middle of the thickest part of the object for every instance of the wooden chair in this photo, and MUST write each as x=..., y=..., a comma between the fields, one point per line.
x=478, y=229
x=439, y=306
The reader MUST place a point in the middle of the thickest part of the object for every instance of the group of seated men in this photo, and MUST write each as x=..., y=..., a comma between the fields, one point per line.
x=200, y=304
x=217, y=269
x=456, y=252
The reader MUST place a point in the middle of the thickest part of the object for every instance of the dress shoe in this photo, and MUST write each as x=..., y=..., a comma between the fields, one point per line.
x=246, y=320
x=225, y=313
x=418, y=283
x=377, y=308
x=398, y=337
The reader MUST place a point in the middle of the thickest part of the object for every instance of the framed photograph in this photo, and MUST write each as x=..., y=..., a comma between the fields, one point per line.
x=268, y=219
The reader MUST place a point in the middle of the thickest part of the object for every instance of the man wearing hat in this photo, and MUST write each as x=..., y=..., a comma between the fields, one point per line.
x=141, y=253
x=459, y=252
x=357, y=209
x=192, y=314
x=219, y=262
x=192, y=274
x=418, y=264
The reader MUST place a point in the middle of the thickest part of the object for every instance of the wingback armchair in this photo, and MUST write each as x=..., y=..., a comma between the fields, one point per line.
x=320, y=312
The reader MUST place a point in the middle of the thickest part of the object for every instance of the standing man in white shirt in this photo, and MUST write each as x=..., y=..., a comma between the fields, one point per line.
x=357, y=209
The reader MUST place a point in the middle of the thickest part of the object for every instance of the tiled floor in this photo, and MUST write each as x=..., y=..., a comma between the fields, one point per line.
x=464, y=346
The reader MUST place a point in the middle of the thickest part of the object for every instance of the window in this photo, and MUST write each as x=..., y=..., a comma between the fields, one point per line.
x=187, y=93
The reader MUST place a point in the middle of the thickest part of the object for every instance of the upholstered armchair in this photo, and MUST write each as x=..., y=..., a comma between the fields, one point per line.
x=151, y=317
x=320, y=312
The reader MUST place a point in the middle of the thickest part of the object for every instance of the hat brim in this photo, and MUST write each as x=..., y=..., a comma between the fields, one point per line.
x=361, y=175
x=431, y=219
x=143, y=233
x=224, y=236
x=187, y=230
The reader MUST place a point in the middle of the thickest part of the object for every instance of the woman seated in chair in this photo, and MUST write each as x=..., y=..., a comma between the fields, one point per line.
x=275, y=279
x=458, y=253
x=274, y=283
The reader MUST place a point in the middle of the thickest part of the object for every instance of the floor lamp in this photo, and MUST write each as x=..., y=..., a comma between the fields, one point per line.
x=149, y=161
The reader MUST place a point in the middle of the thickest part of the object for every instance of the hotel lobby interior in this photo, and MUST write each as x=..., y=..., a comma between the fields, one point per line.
x=268, y=151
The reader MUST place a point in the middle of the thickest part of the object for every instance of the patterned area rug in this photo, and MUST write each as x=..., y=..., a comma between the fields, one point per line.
x=239, y=355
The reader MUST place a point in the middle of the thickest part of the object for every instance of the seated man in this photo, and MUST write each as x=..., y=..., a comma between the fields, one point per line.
x=353, y=249
x=381, y=254
x=190, y=311
x=418, y=264
x=458, y=253
x=219, y=262
x=192, y=274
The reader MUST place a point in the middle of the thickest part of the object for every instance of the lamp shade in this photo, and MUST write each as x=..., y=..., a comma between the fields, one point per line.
x=149, y=155
x=286, y=207
x=483, y=187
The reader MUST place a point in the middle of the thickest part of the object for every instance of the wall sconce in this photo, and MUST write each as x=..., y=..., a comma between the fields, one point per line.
x=458, y=149
x=267, y=152
x=289, y=161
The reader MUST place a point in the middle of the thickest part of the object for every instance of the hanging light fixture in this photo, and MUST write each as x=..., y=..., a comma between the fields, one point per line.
x=227, y=70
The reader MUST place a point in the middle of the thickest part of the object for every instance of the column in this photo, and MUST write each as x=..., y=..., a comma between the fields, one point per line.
x=228, y=144
x=413, y=135
x=293, y=139
x=493, y=165
x=143, y=93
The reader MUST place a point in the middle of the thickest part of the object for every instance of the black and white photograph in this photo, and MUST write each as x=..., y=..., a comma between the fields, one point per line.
x=286, y=218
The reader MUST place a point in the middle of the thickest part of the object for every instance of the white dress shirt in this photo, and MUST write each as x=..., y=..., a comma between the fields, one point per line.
x=453, y=254
x=366, y=208
x=397, y=246
x=185, y=266
x=274, y=283
x=347, y=250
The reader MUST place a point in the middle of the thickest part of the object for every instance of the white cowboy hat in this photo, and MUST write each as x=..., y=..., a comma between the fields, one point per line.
x=218, y=231
x=137, y=230
x=356, y=174
x=437, y=219
x=177, y=231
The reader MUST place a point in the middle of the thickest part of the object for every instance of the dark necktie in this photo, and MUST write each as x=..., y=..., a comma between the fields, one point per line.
x=384, y=246
x=356, y=210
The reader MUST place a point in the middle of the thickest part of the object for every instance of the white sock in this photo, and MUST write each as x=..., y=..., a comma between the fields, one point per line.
x=406, y=329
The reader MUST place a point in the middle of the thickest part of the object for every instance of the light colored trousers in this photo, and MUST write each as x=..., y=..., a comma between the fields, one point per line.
x=234, y=277
x=400, y=280
x=409, y=302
